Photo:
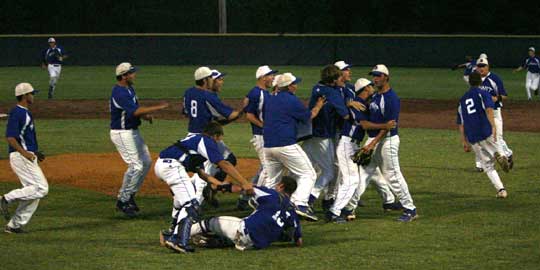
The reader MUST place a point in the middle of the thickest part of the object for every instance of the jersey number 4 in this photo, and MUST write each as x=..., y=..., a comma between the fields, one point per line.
x=193, y=108
x=470, y=106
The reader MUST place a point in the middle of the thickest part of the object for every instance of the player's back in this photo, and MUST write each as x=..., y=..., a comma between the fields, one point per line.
x=472, y=114
x=281, y=114
x=189, y=150
x=195, y=108
x=325, y=123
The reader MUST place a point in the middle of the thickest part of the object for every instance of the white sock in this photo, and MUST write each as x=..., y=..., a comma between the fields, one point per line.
x=495, y=179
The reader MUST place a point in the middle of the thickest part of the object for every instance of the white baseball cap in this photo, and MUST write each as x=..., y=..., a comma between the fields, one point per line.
x=276, y=78
x=264, y=71
x=482, y=62
x=483, y=55
x=287, y=79
x=24, y=88
x=361, y=84
x=379, y=69
x=202, y=72
x=216, y=74
x=532, y=49
x=342, y=65
x=124, y=68
x=51, y=40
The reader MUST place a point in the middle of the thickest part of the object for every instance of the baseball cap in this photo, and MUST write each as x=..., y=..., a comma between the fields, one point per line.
x=51, y=39
x=287, y=79
x=124, y=68
x=482, y=62
x=532, y=49
x=24, y=88
x=342, y=65
x=379, y=69
x=263, y=71
x=216, y=74
x=276, y=78
x=483, y=55
x=361, y=84
x=202, y=72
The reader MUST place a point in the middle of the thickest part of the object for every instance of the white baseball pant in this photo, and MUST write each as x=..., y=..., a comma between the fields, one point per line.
x=135, y=153
x=321, y=153
x=349, y=175
x=466, y=79
x=296, y=161
x=54, y=70
x=232, y=228
x=486, y=150
x=531, y=83
x=258, y=144
x=35, y=187
x=386, y=157
x=500, y=140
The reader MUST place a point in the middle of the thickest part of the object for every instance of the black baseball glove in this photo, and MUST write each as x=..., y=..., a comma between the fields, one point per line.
x=362, y=158
x=40, y=156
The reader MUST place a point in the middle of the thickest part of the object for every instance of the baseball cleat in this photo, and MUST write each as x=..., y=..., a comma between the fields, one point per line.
x=179, y=248
x=408, y=216
x=502, y=193
x=395, y=206
x=503, y=162
x=511, y=162
x=478, y=169
x=126, y=208
x=13, y=230
x=348, y=215
x=331, y=217
x=4, y=207
x=326, y=204
x=164, y=236
x=133, y=204
x=306, y=212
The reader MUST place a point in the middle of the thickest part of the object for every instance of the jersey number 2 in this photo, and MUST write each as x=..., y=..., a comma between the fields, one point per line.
x=470, y=106
x=194, y=108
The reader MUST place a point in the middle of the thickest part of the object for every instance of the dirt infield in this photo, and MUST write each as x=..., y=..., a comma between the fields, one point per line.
x=102, y=172
x=439, y=114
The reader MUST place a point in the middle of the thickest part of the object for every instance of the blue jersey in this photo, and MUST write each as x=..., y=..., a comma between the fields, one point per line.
x=274, y=215
x=123, y=105
x=325, y=124
x=203, y=106
x=351, y=127
x=472, y=114
x=52, y=55
x=256, y=98
x=532, y=64
x=193, y=151
x=382, y=109
x=20, y=126
x=494, y=85
x=282, y=112
x=469, y=67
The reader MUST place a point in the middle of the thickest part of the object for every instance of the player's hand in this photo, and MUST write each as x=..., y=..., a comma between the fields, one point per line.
x=247, y=186
x=392, y=124
x=357, y=105
x=28, y=155
x=368, y=148
x=299, y=242
x=320, y=102
x=466, y=147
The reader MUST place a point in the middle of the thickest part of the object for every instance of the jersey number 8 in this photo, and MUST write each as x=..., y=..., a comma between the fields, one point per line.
x=193, y=108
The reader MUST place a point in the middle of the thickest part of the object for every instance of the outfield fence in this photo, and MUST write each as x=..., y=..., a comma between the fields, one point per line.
x=275, y=49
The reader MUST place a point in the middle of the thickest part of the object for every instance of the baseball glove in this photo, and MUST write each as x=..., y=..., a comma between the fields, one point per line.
x=362, y=158
x=40, y=156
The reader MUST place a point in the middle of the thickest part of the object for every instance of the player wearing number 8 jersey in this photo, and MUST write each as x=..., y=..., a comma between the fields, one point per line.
x=477, y=127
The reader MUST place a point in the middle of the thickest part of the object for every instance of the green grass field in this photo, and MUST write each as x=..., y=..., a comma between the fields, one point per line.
x=462, y=224
x=153, y=82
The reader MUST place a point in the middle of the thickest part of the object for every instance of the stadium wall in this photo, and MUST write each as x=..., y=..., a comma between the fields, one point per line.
x=274, y=49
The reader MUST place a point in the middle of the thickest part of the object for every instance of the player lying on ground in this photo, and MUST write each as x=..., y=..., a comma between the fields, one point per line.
x=274, y=220
x=173, y=165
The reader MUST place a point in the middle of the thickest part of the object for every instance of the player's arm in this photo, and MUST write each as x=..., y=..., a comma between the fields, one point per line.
x=13, y=143
x=208, y=178
x=491, y=119
x=464, y=141
x=370, y=125
x=143, y=110
x=229, y=169
x=318, y=106
x=375, y=141
x=254, y=119
x=459, y=66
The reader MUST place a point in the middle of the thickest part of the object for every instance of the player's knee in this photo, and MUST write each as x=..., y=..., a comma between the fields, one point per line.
x=43, y=191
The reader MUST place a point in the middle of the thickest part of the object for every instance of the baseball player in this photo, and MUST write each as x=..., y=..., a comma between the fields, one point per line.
x=202, y=106
x=23, y=158
x=282, y=113
x=126, y=115
x=477, y=127
x=53, y=58
x=532, y=64
x=385, y=106
x=354, y=180
x=320, y=148
x=494, y=85
x=468, y=66
x=173, y=165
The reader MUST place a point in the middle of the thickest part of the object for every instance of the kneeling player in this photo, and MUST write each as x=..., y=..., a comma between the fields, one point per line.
x=173, y=165
x=274, y=220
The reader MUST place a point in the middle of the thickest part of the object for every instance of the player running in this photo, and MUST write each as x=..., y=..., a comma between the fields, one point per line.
x=126, y=115
x=173, y=165
x=282, y=113
x=23, y=158
x=53, y=58
x=532, y=64
x=494, y=85
x=477, y=128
